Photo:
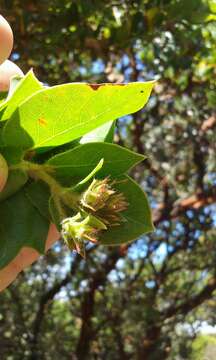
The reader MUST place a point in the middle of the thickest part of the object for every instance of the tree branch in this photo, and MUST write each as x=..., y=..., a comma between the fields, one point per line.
x=45, y=299
x=98, y=279
x=193, y=202
x=193, y=302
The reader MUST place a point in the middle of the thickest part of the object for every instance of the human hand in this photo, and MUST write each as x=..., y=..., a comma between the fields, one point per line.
x=8, y=69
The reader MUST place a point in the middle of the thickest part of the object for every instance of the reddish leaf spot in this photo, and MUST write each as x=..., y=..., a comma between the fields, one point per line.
x=42, y=122
x=46, y=98
x=96, y=86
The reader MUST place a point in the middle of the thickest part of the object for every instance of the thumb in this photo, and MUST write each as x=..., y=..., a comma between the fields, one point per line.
x=3, y=172
x=7, y=70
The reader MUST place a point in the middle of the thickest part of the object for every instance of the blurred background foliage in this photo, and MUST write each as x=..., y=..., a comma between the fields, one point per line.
x=146, y=300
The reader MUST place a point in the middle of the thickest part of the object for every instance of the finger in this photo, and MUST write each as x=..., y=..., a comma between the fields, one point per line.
x=3, y=172
x=6, y=36
x=7, y=70
x=25, y=258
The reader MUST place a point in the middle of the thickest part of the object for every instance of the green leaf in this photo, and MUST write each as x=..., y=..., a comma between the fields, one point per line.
x=12, y=155
x=63, y=113
x=21, y=225
x=137, y=218
x=27, y=86
x=38, y=193
x=80, y=161
x=104, y=133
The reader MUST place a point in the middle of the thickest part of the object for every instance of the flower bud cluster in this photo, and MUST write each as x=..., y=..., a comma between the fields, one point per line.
x=100, y=208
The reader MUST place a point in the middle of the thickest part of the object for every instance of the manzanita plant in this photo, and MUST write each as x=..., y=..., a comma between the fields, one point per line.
x=58, y=164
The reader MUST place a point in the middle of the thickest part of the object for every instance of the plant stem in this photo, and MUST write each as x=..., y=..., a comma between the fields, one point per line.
x=59, y=193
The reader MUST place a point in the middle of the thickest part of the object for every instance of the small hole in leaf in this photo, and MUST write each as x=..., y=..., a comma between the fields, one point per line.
x=142, y=91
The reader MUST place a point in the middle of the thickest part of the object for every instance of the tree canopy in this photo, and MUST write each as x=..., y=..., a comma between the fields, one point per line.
x=131, y=301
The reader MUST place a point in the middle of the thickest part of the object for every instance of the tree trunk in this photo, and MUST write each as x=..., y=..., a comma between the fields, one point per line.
x=150, y=347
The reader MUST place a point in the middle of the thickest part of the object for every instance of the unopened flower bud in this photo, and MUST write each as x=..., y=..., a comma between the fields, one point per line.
x=81, y=227
x=110, y=214
x=97, y=194
x=104, y=201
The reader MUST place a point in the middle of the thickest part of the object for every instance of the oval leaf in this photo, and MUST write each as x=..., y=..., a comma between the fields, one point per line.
x=60, y=114
x=80, y=161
